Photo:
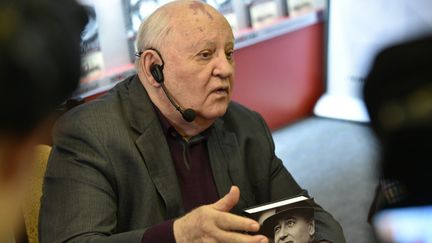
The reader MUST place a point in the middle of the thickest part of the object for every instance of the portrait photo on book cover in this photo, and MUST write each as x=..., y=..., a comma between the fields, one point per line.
x=290, y=220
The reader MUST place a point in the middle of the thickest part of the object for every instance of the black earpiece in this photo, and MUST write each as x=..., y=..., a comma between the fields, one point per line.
x=156, y=72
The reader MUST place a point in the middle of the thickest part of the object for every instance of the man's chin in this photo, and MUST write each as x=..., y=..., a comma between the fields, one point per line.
x=212, y=117
x=213, y=114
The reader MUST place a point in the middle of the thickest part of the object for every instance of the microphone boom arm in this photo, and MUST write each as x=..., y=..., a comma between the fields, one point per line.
x=171, y=99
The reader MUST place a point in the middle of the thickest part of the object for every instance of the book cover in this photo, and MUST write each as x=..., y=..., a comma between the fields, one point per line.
x=287, y=220
x=263, y=12
x=300, y=7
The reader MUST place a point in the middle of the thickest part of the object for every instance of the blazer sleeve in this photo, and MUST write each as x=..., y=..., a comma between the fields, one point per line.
x=326, y=227
x=79, y=200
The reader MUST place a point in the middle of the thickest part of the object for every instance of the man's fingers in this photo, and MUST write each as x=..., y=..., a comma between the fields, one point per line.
x=226, y=203
x=232, y=222
x=210, y=223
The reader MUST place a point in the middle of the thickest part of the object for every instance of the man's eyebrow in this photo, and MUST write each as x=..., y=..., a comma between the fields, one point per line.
x=199, y=44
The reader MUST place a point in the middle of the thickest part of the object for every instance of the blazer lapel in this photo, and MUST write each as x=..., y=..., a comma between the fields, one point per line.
x=226, y=162
x=154, y=149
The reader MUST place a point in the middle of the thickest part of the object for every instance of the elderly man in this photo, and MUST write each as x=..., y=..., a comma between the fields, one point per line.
x=293, y=223
x=295, y=228
x=157, y=157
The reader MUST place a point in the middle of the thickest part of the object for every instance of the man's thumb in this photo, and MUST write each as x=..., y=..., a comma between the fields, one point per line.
x=228, y=201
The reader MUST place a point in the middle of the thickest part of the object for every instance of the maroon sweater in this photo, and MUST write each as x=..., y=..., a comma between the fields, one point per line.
x=194, y=174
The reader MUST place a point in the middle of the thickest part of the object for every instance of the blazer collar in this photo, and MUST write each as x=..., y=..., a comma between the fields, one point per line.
x=140, y=109
x=227, y=166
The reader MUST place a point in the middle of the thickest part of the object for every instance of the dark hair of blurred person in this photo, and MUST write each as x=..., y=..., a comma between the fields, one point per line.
x=398, y=96
x=39, y=69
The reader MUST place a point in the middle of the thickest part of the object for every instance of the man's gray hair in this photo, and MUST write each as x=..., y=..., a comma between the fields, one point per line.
x=152, y=32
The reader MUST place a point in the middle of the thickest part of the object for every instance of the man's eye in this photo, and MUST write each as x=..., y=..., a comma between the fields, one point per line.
x=290, y=223
x=205, y=54
x=277, y=228
x=230, y=55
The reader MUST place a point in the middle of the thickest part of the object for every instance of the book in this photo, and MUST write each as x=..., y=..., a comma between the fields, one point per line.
x=300, y=7
x=285, y=220
x=263, y=12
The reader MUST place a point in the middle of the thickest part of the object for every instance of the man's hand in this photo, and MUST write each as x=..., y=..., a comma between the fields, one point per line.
x=214, y=223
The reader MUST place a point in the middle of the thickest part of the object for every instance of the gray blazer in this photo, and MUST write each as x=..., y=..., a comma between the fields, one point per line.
x=110, y=174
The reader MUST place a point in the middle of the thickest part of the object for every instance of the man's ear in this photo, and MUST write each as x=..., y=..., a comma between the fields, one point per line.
x=312, y=227
x=148, y=58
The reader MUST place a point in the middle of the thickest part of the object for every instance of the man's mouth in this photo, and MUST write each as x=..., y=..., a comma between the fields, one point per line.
x=221, y=90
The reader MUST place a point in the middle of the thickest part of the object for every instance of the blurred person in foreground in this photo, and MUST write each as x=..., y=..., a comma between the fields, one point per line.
x=129, y=167
x=39, y=68
x=398, y=96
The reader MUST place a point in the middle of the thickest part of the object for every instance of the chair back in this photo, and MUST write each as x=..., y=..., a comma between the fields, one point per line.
x=31, y=204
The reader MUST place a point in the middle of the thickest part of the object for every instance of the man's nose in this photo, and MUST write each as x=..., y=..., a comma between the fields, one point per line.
x=282, y=237
x=224, y=66
x=284, y=232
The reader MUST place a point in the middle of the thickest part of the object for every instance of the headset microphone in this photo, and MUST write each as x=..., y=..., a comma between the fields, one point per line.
x=156, y=71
